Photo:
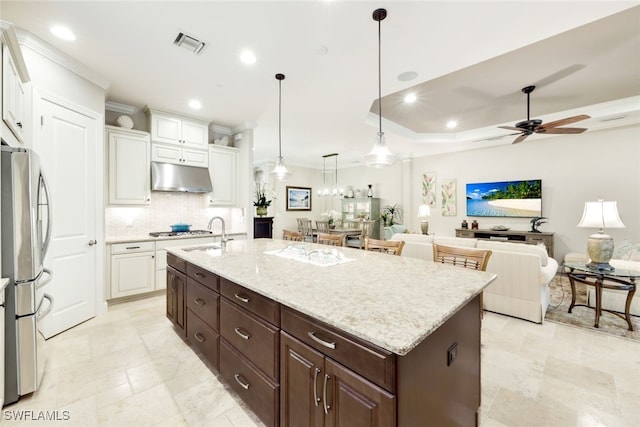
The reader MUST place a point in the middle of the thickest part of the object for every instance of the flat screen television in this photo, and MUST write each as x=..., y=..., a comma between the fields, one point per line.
x=521, y=199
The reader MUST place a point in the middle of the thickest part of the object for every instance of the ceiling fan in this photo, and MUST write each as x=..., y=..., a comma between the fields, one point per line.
x=529, y=126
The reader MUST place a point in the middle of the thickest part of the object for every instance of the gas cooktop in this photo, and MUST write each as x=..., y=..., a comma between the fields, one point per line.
x=180, y=233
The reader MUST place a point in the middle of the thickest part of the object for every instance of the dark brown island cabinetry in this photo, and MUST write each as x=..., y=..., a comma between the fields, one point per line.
x=296, y=371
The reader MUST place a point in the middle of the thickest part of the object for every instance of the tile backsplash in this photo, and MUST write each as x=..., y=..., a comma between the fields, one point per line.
x=169, y=208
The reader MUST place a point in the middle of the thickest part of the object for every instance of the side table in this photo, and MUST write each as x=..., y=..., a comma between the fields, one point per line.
x=618, y=279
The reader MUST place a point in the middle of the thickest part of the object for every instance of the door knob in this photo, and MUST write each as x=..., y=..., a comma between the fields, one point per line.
x=93, y=242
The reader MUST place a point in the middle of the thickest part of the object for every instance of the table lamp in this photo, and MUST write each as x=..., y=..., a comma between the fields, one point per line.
x=599, y=215
x=424, y=212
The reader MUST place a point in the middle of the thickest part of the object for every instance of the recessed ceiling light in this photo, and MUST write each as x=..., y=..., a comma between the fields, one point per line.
x=195, y=104
x=407, y=76
x=451, y=124
x=410, y=98
x=63, y=32
x=247, y=57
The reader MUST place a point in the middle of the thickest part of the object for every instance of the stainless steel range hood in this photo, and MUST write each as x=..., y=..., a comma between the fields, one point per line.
x=170, y=177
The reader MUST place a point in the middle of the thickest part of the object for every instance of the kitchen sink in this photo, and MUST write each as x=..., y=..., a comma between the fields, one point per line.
x=202, y=248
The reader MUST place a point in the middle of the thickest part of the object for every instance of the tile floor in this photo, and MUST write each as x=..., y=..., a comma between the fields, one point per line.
x=129, y=368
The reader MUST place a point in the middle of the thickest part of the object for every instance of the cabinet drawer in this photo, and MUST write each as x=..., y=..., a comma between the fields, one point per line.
x=202, y=338
x=371, y=362
x=254, y=302
x=253, y=337
x=123, y=248
x=260, y=394
x=203, y=276
x=177, y=263
x=203, y=302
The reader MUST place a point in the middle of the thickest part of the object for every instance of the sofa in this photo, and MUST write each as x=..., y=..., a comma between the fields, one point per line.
x=626, y=255
x=524, y=272
x=390, y=230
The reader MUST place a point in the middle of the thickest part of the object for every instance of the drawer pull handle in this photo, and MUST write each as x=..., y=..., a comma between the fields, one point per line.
x=200, y=275
x=242, y=334
x=243, y=384
x=91, y=243
x=199, y=337
x=324, y=394
x=241, y=298
x=316, y=399
x=199, y=301
x=327, y=344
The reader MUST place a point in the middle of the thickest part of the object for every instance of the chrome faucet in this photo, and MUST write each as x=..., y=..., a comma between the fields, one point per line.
x=223, y=239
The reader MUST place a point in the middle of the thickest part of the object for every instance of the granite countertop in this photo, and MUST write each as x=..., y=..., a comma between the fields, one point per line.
x=147, y=238
x=390, y=301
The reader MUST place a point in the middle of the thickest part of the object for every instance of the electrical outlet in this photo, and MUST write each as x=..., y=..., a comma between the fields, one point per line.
x=452, y=353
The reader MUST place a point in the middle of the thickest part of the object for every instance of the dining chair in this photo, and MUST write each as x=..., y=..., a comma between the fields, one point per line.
x=322, y=226
x=305, y=227
x=476, y=259
x=295, y=236
x=392, y=247
x=366, y=228
x=337, y=222
x=330, y=239
x=352, y=223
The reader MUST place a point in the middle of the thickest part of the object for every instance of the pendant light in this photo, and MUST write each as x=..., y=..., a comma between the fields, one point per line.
x=335, y=190
x=280, y=170
x=379, y=156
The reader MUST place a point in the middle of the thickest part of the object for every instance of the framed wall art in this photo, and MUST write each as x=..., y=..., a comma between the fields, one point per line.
x=298, y=198
x=449, y=203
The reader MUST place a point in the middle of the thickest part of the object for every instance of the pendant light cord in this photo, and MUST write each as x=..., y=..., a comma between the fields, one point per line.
x=380, y=75
x=280, y=118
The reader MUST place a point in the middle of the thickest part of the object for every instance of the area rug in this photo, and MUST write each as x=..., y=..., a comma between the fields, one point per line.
x=584, y=317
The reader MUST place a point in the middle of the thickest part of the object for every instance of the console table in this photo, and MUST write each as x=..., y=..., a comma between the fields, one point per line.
x=513, y=236
x=618, y=279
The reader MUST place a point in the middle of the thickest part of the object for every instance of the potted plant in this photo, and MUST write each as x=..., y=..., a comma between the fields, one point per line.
x=261, y=201
x=391, y=215
x=331, y=216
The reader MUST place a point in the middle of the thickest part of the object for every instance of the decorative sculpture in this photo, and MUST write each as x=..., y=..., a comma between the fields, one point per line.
x=536, y=222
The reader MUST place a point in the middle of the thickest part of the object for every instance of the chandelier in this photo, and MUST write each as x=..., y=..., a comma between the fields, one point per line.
x=328, y=190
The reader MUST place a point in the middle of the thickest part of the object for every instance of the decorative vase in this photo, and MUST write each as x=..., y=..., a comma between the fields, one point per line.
x=332, y=226
x=261, y=210
x=369, y=191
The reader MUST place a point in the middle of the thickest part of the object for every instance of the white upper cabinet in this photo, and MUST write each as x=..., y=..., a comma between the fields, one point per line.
x=176, y=130
x=178, y=140
x=129, y=166
x=223, y=170
x=16, y=105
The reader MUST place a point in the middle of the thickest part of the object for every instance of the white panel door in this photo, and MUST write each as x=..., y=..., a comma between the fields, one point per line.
x=67, y=148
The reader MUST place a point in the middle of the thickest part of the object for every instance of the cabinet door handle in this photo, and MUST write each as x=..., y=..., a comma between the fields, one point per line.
x=199, y=301
x=241, y=298
x=243, y=384
x=325, y=405
x=316, y=399
x=327, y=344
x=200, y=275
x=242, y=334
x=19, y=124
x=199, y=337
x=128, y=247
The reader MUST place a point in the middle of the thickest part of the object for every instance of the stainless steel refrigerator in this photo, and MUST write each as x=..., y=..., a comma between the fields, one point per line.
x=26, y=229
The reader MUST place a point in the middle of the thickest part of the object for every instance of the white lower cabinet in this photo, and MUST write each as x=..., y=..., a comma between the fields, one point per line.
x=132, y=268
x=161, y=255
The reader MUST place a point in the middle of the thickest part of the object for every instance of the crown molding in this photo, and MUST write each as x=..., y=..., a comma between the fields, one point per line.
x=38, y=45
x=120, y=108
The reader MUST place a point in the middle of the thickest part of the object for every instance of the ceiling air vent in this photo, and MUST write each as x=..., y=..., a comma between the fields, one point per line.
x=190, y=43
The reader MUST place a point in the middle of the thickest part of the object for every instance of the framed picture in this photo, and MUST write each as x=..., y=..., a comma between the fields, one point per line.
x=298, y=198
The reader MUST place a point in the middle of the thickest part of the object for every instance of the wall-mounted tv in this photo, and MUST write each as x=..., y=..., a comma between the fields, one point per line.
x=505, y=198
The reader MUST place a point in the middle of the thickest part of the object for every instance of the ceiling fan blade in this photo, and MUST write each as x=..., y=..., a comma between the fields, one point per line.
x=510, y=128
x=520, y=138
x=566, y=121
x=561, y=130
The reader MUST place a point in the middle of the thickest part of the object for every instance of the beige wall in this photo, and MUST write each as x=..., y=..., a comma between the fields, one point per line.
x=573, y=169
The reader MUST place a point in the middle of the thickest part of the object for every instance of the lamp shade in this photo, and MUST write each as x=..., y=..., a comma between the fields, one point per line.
x=380, y=156
x=600, y=215
x=424, y=211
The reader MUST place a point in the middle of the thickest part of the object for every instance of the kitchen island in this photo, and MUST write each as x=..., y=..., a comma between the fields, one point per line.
x=353, y=338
